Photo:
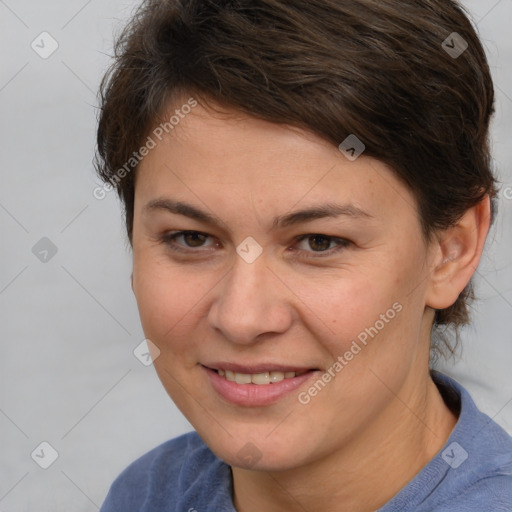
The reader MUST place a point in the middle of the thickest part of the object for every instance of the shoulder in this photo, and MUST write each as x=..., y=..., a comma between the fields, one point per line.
x=478, y=458
x=492, y=492
x=486, y=444
x=473, y=470
x=162, y=478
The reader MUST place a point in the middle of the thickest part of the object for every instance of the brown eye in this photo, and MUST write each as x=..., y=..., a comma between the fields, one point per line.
x=187, y=240
x=319, y=243
x=194, y=239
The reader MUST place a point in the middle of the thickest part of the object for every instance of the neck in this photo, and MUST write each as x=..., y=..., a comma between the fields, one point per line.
x=367, y=473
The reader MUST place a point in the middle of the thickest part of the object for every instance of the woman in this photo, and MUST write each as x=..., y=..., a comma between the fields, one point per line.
x=308, y=191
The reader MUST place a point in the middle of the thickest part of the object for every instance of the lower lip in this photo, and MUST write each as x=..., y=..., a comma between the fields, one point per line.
x=254, y=395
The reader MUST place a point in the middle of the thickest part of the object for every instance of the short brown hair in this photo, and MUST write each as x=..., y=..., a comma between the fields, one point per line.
x=374, y=68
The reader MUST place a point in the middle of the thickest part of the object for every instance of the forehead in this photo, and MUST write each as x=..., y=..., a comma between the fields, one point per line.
x=232, y=161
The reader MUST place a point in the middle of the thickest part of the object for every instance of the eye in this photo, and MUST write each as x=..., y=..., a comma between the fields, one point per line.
x=318, y=243
x=183, y=240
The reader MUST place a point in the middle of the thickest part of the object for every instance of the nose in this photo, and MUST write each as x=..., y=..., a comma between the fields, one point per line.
x=251, y=302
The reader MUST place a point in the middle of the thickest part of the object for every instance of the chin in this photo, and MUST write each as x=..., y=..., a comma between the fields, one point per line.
x=261, y=452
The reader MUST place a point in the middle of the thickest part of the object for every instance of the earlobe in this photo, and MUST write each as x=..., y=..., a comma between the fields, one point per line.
x=457, y=255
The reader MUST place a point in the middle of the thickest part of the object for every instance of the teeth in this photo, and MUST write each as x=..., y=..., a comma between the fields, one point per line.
x=259, y=379
x=278, y=376
x=242, y=378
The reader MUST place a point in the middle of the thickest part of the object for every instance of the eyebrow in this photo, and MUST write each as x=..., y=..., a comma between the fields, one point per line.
x=300, y=216
x=181, y=208
x=321, y=212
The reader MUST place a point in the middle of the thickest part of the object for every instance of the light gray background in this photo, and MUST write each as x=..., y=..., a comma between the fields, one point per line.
x=69, y=326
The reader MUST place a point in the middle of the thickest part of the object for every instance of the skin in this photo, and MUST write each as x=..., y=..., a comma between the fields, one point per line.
x=381, y=419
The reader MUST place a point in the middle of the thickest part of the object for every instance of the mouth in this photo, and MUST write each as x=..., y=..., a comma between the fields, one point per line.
x=258, y=385
x=259, y=378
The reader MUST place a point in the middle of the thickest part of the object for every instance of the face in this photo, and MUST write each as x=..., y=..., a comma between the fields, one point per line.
x=261, y=253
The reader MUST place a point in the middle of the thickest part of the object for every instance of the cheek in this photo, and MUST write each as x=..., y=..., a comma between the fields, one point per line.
x=344, y=301
x=373, y=307
x=170, y=301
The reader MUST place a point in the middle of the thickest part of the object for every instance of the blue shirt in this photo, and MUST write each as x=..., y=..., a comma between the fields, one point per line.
x=471, y=473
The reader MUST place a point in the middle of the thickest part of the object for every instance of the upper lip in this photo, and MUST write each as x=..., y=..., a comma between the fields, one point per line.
x=257, y=367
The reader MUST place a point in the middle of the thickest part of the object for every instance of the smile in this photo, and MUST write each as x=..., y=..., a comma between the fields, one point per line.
x=270, y=377
x=256, y=386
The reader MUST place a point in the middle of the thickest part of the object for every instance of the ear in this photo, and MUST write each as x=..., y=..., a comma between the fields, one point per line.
x=456, y=254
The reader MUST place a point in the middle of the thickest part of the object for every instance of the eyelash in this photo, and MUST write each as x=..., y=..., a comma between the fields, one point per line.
x=169, y=239
x=342, y=243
